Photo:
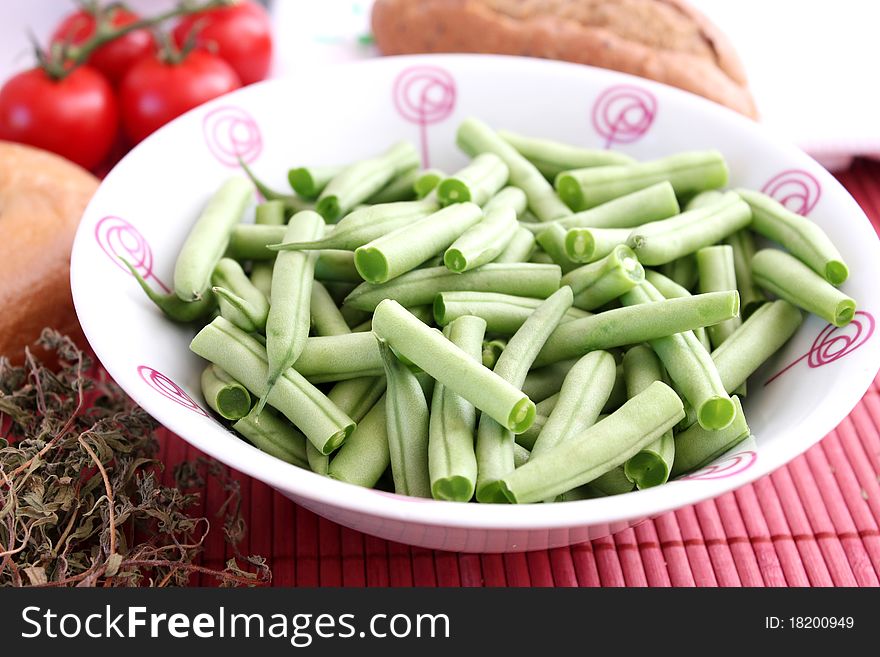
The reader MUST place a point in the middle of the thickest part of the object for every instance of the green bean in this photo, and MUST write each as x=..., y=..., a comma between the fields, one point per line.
x=452, y=463
x=362, y=226
x=503, y=313
x=495, y=440
x=552, y=157
x=696, y=447
x=597, y=450
x=599, y=282
x=804, y=239
x=208, y=238
x=703, y=199
x=519, y=248
x=751, y=296
x=682, y=271
x=427, y=182
x=339, y=357
x=355, y=397
x=244, y=358
x=663, y=241
x=452, y=367
x=790, y=279
x=717, y=273
x=689, y=172
x=613, y=482
x=632, y=325
x=325, y=316
x=251, y=241
x=226, y=396
x=407, y=421
x=542, y=382
x=419, y=287
x=584, y=392
x=401, y=188
x=272, y=434
x=477, y=182
x=292, y=203
x=509, y=197
x=652, y=465
x=336, y=266
x=268, y=213
x=629, y=211
x=171, y=305
x=287, y=326
x=406, y=248
x=483, y=242
x=308, y=182
x=239, y=300
x=591, y=244
x=318, y=463
x=552, y=240
x=491, y=351
x=542, y=411
x=475, y=137
x=689, y=365
x=365, y=456
x=358, y=182
x=672, y=290
x=759, y=337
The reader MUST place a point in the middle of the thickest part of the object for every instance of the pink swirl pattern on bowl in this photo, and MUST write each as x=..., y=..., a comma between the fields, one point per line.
x=623, y=114
x=120, y=240
x=796, y=189
x=728, y=467
x=232, y=133
x=833, y=343
x=424, y=95
x=168, y=389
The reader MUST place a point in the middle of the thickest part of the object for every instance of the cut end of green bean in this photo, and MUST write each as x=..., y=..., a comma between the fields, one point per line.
x=569, y=190
x=846, y=310
x=302, y=182
x=453, y=489
x=452, y=191
x=716, y=413
x=836, y=272
x=580, y=244
x=495, y=492
x=455, y=260
x=329, y=208
x=337, y=439
x=521, y=416
x=645, y=470
x=371, y=265
x=234, y=402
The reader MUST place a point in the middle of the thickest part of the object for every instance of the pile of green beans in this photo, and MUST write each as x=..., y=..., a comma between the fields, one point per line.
x=547, y=323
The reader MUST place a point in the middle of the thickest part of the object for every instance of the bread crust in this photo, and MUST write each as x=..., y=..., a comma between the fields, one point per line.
x=42, y=197
x=664, y=40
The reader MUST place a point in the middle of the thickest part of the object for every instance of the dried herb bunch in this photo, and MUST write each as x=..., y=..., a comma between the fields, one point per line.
x=80, y=501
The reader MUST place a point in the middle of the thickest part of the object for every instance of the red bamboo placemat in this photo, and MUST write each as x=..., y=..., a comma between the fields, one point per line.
x=813, y=522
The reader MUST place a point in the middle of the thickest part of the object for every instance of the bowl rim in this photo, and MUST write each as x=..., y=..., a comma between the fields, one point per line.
x=302, y=484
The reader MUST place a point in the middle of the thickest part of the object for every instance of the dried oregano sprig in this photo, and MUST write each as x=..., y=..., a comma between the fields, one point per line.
x=80, y=501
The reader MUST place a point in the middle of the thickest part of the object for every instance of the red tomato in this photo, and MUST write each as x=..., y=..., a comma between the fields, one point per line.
x=241, y=34
x=113, y=59
x=76, y=117
x=153, y=92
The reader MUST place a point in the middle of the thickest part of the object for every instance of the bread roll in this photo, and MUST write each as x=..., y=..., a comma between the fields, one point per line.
x=42, y=197
x=665, y=40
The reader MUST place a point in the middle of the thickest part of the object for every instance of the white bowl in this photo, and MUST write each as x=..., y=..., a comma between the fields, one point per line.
x=145, y=206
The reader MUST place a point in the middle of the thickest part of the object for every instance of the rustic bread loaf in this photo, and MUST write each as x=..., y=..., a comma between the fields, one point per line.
x=42, y=197
x=665, y=40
